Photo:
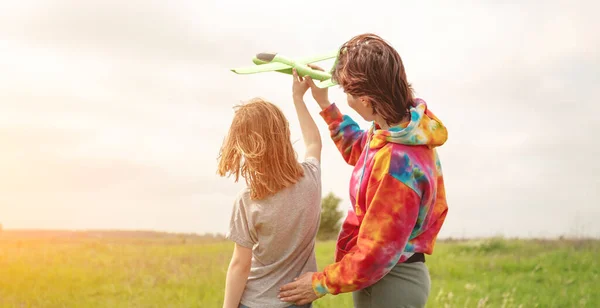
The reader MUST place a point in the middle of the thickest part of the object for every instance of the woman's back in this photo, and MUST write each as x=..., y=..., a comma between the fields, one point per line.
x=281, y=229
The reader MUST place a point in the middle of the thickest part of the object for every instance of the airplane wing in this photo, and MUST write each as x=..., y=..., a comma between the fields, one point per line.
x=318, y=58
x=326, y=83
x=274, y=66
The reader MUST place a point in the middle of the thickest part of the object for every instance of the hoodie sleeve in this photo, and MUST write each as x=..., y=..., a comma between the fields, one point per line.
x=345, y=133
x=382, y=237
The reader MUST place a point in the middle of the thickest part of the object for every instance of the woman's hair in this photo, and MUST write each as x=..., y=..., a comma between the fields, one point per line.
x=368, y=66
x=258, y=147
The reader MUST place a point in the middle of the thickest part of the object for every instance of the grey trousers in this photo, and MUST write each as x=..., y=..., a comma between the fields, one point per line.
x=293, y=306
x=406, y=285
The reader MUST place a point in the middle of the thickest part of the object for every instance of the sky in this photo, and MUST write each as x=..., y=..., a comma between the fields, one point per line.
x=112, y=112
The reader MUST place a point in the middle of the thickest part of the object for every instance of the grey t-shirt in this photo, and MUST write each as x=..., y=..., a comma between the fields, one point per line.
x=281, y=230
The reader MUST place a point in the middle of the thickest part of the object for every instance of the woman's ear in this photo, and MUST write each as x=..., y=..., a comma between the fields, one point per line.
x=365, y=101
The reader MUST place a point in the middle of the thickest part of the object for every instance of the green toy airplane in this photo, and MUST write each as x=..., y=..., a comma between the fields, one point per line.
x=269, y=62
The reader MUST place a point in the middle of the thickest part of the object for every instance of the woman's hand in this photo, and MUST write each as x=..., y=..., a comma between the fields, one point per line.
x=299, y=292
x=320, y=95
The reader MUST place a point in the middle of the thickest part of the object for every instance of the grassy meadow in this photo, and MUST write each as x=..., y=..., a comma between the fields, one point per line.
x=145, y=269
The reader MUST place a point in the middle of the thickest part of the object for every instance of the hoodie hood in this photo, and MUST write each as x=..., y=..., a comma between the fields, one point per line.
x=424, y=128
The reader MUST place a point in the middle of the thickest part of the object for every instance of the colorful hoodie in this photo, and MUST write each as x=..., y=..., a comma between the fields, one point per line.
x=397, y=193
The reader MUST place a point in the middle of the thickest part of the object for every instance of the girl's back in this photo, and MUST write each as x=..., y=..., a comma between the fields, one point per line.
x=282, y=230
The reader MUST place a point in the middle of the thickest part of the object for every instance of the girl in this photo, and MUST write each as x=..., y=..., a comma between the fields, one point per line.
x=276, y=217
x=396, y=189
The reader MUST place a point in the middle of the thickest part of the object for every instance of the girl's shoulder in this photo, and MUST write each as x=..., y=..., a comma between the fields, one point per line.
x=312, y=162
x=312, y=168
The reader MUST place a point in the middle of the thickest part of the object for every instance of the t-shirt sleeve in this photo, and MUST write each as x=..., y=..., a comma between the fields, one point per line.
x=241, y=230
x=313, y=167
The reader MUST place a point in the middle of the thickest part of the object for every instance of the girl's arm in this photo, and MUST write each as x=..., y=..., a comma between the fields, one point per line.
x=310, y=131
x=237, y=275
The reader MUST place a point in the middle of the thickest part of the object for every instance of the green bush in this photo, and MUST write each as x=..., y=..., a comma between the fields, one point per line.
x=329, y=226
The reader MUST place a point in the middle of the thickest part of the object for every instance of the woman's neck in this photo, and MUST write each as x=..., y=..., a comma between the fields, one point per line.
x=383, y=124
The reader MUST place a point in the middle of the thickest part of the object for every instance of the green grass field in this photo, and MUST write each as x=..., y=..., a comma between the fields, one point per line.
x=42, y=269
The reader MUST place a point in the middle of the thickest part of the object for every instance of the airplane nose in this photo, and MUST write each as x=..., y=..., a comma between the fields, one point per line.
x=266, y=56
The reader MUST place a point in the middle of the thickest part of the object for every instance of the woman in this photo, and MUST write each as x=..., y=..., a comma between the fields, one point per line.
x=396, y=188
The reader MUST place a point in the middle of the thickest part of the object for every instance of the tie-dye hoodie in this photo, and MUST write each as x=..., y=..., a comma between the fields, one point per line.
x=397, y=193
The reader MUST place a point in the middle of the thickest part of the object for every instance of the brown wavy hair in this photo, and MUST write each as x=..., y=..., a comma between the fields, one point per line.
x=369, y=66
x=258, y=147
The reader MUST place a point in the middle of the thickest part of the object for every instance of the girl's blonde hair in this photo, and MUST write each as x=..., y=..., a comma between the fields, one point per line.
x=258, y=147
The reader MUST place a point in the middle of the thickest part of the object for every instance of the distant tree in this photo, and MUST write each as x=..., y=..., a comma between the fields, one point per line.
x=330, y=218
